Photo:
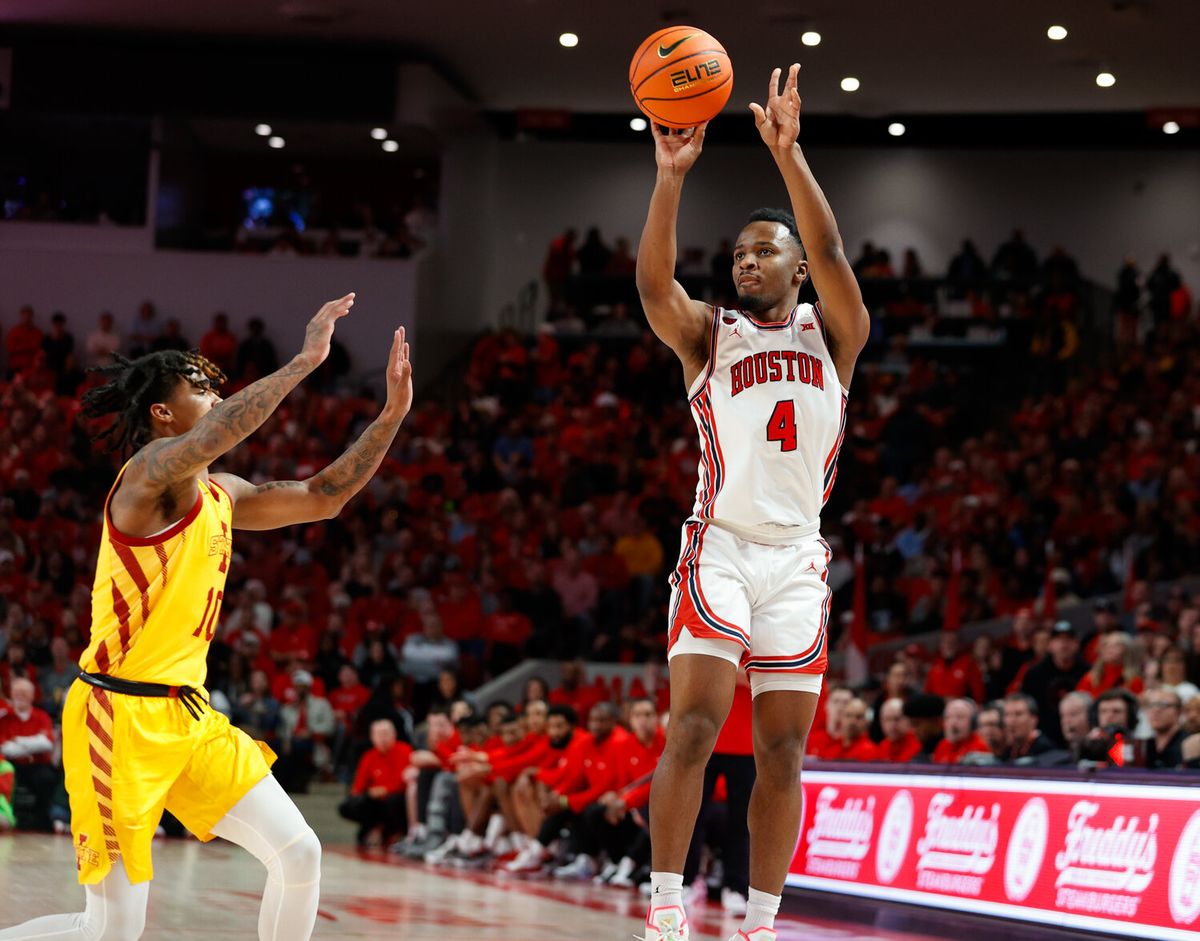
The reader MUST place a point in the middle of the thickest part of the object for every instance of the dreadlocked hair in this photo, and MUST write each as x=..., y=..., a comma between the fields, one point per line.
x=137, y=384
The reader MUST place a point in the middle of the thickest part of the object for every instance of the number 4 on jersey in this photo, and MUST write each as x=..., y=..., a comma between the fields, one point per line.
x=781, y=426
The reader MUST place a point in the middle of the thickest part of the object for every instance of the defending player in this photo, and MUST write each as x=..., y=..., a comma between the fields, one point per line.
x=138, y=734
x=767, y=385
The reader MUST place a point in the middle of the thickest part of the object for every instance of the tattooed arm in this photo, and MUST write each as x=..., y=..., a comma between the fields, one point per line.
x=322, y=496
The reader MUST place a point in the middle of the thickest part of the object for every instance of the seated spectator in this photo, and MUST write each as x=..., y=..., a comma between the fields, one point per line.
x=897, y=684
x=102, y=343
x=898, y=743
x=56, y=678
x=1117, y=709
x=144, y=330
x=256, y=356
x=1116, y=665
x=219, y=344
x=256, y=711
x=1165, y=749
x=23, y=342
x=1021, y=732
x=953, y=674
x=989, y=726
x=306, y=725
x=924, y=713
x=1172, y=674
x=424, y=656
x=27, y=743
x=1074, y=714
x=853, y=744
x=958, y=721
x=824, y=740
x=377, y=796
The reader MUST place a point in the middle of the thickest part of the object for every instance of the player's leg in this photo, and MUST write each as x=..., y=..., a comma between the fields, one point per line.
x=269, y=825
x=786, y=665
x=701, y=694
x=115, y=911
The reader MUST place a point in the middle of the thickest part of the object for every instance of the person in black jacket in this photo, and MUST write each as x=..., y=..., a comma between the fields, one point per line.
x=1056, y=675
x=1025, y=739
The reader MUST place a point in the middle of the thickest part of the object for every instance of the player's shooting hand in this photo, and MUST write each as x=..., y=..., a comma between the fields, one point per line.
x=676, y=151
x=320, y=330
x=399, y=380
x=779, y=122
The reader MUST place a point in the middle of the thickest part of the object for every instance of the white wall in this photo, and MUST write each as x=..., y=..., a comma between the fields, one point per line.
x=1100, y=206
x=192, y=286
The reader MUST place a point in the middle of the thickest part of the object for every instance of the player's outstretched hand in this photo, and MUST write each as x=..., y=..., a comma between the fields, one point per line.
x=399, y=380
x=320, y=329
x=779, y=121
x=676, y=151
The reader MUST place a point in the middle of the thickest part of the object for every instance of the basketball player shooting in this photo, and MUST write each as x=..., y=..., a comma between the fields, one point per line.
x=767, y=385
x=138, y=734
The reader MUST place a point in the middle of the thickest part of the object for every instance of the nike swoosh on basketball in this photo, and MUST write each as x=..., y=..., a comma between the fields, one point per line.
x=664, y=51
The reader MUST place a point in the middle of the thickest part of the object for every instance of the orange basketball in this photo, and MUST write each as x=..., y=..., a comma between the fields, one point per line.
x=680, y=77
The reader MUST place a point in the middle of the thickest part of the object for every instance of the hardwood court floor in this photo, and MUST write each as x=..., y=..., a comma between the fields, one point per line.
x=212, y=891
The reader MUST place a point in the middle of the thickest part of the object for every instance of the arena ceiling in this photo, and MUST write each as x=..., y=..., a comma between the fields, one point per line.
x=949, y=56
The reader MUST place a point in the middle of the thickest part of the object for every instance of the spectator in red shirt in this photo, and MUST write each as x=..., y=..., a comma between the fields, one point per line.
x=292, y=638
x=220, y=344
x=376, y=800
x=953, y=675
x=23, y=342
x=898, y=743
x=854, y=744
x=958, y=722
x=823, y=742
x=27, y=742
x=506, y=631
x=613, y=826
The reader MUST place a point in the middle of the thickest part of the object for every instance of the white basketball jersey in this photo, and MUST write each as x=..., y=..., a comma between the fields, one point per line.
x=771, y=414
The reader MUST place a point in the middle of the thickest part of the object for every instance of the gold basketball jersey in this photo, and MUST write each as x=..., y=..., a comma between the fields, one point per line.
x=155, y=600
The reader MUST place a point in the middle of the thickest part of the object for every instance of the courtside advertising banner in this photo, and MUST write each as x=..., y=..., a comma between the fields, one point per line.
x=1104, y=857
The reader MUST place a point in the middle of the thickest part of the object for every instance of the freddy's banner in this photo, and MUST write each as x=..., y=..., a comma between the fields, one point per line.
x=1106, y=857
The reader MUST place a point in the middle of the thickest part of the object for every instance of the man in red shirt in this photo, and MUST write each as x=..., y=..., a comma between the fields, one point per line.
x=958, y=724
x=824, y=739
x=23, y=342
x=27, y=742
x=854, y=744
x=952, y=675
x=376, y=798
x=899, y=745
x=610, y=825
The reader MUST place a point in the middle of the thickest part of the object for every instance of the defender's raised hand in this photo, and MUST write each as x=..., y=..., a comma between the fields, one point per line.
x=399, y=380
x=320, y=330
x=676, y=152
x=779, y=122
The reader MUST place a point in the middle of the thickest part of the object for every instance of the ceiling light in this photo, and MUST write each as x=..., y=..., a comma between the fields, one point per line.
x=1106, y=80
x=378, y=133
x=896, y=129
x=1056, y=33
x=850, y=83
x=390, y=146
x=1171, y=127
x=637, y=124
x=570, y=40
x=276, y=142
x=262, y=130
x=811, y=38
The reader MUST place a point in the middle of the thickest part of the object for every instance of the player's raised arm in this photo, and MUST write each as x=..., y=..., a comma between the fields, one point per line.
x=846, y=319
x=167, y=461
x=286, y=502
x=676, y=319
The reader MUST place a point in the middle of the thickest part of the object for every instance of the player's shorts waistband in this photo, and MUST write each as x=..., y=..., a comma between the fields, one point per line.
x=191, y=698
x=772, y=536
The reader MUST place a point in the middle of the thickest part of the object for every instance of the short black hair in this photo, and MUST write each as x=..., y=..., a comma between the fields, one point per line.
x=134, y=385
x=781, y=216
x=565, y=711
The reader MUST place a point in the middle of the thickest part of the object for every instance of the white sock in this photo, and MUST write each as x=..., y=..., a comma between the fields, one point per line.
x=666, y=889
x=761, y=910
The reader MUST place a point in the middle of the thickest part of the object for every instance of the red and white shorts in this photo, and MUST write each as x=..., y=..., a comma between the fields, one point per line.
x=765, y=607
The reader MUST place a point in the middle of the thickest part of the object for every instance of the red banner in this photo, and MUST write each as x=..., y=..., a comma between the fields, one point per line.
x=1107, y=857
